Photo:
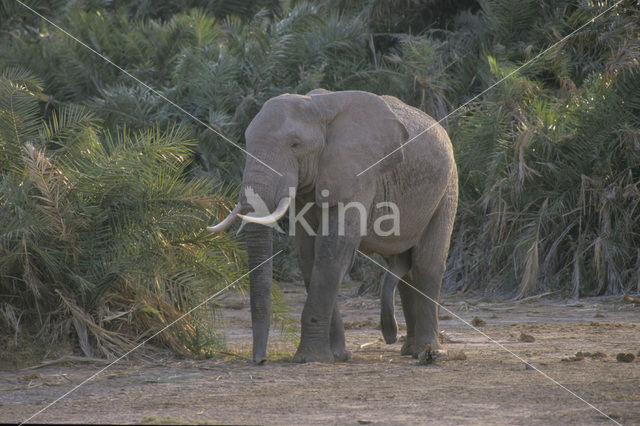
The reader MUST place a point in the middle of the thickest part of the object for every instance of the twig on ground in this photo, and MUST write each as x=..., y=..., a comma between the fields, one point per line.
x=537, y=296
x=67, y=358
x=364, y=345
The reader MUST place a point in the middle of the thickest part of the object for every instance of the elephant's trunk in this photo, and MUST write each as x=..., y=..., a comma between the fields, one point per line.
x=261, y=189
x=259, y=249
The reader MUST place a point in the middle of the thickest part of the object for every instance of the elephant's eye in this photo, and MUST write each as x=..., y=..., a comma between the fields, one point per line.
x=295, y=144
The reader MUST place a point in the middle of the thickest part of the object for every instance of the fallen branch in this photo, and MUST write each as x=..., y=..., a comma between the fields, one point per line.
x=631, y=299
x=537, y=296
x=67, y=358
x=364, y=345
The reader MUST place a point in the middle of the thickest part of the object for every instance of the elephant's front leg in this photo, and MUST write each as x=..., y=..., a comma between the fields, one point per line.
x=322, y=332
x=305, y=247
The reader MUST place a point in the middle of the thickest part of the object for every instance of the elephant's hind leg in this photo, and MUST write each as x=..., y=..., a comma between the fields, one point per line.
x=408, y=297
x=429, y=264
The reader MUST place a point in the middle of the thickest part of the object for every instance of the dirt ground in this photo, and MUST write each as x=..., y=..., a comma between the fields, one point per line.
x=490, y=386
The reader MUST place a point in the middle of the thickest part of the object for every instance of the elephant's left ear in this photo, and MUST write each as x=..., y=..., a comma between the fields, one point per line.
x=362, y=131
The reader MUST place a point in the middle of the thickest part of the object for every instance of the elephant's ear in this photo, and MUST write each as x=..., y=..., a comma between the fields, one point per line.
x=361, y=131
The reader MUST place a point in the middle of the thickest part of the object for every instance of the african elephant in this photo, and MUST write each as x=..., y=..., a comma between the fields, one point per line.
x=316, y=150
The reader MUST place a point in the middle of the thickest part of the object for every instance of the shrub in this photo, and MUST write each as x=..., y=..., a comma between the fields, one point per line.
x=101, y=234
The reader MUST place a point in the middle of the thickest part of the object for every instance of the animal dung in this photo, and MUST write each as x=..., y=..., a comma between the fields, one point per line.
x=478, y=322
x=579, y=356
x=526, y=338
x=625, y=357
x=595, y=355
x=456, y=356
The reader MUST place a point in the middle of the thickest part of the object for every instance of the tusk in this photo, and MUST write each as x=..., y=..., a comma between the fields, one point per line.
x=282, y=208
x=226, y=222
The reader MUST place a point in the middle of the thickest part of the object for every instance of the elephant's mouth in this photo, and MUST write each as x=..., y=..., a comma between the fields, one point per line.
x=306, y=189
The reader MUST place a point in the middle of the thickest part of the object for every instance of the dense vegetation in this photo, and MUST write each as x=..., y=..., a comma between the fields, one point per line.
x=106, y=186
x=101, y=232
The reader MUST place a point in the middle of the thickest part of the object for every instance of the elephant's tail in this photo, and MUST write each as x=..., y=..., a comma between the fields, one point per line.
x=399, y=265
x=388, y=323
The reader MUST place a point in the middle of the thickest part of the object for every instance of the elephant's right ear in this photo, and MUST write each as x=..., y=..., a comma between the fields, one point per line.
x=362, y=131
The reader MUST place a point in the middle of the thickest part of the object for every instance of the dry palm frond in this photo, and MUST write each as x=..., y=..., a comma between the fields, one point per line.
x=110, y=344
x=53, y=187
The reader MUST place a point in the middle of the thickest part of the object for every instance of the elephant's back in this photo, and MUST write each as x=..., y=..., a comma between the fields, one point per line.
x=414, y=120
x=428, y=145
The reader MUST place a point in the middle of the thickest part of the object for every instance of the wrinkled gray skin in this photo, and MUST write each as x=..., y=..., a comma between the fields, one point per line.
x=322, y=141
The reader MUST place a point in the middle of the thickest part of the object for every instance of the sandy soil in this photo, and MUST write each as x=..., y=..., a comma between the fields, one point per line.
x=490, y=386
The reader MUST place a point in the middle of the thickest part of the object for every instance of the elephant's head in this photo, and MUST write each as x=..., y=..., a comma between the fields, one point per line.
x=317, y=142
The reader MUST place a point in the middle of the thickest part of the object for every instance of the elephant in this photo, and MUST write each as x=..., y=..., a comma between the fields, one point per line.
x=325, y=149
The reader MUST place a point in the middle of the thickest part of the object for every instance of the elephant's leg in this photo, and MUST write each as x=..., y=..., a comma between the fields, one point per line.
x=336, y=336
x=336, y=333
x=408, y=298
x=429, y=263
x=304, y=244
x=322, y=332
x=398, y=266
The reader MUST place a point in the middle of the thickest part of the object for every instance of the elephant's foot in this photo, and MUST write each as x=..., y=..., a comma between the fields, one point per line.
x=409, y=347
x=341, y=356
x=313, y=355
x=431, y=345
x=338, y=345
x=340, y=352
x=430, y=355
